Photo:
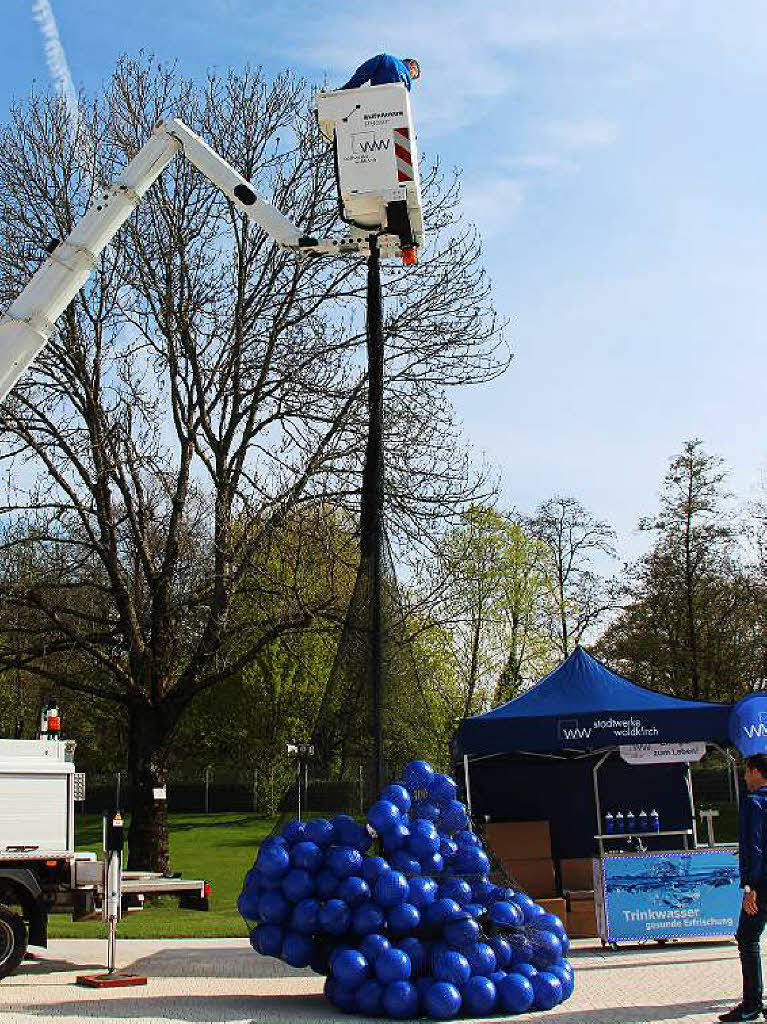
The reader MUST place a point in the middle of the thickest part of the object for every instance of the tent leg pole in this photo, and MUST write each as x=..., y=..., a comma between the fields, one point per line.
x=466, y=781
x=597, y=802
x=692, y=809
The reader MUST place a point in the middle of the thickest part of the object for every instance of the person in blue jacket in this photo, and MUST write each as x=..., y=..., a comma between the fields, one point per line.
x=383, y=69
x=752, y=840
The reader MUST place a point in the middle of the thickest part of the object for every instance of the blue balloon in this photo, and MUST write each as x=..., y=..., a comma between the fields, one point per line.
x=447, y=848
x=497, y=976
x=418, y=775
x=267, y=939
x=453, y=967
x=293, y=832
x=247, y=903
x=370, y=998
x=400, y=1000
x=306, y=855
x=465, y=837
x=456, y=889
x=353, y=891
x=391, y=887
x=305, y=916
x=405, y=862
x=403, y=917
x=479, y=996
x=424, y=810
x=351, y=968
x=372, y=867
x=392, y=965
x=416, y=953
x=423, y=891
x=462, y=932
x=326, y=883
x=565, y=976
x=373, y=945
x=298, y=885
x=506, y=915
x=484, y=891
x=383, y=815
x=399, y=796
x=471, y=860
x=432, y=865
x=527, y=906
x=424, y=839
x=442, y=1001
x=441, y=911
x=368, y=918
x=454, y=816
x=344, y=861
x=521, y=950
x=319, y=831
x=550, y=923
x=334, y=917
x=502, y=950
x=346, y=831
x=515, y=993
x=273, y=908
x=297, y=949
x=442, y=789
x=396, y=838
x=526, y=970
x=273, y=861
x=547, y=989
x=481, y=959
x=342, y=998
x=475, y=909
x=547, y=949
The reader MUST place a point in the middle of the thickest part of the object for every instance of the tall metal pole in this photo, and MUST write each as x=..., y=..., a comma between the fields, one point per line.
x=371, y=513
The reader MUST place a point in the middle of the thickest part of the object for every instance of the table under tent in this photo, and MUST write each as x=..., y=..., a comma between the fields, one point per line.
x=583, y=742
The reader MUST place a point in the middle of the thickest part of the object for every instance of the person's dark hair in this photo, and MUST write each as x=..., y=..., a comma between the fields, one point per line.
x=759, y=762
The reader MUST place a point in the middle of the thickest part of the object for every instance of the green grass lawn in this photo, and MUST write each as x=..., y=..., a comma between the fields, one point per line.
x=217, y=847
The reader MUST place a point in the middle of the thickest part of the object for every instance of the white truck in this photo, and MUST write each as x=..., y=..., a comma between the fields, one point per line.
x=40, y=872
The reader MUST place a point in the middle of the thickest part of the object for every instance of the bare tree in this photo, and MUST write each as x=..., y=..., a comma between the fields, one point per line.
x=572, y=536
x=203, y=404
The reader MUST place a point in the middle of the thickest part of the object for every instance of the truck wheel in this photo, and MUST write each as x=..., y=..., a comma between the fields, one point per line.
x=13, y=941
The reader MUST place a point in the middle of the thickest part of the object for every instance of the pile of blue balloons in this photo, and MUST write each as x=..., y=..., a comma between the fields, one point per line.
x=418, y=931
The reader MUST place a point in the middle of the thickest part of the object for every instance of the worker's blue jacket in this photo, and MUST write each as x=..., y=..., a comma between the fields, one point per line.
x=752, y=837
x=380, y=70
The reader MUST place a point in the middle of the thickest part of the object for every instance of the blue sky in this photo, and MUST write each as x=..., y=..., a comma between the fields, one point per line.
x=614, y=158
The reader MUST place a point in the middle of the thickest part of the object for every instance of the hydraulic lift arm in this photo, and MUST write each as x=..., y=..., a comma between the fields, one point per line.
x=29, y=321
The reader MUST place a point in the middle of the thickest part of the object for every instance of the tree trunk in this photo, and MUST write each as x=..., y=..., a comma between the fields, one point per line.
x=148, y=760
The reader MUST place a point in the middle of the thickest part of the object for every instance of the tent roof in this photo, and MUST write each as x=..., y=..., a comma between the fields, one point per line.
x=581, y=705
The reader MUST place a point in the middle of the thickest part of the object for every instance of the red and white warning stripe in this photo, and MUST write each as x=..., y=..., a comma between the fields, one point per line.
x=403, y=154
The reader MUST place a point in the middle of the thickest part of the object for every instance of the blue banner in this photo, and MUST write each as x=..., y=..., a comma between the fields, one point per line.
x=748, y=724
x=671, y=895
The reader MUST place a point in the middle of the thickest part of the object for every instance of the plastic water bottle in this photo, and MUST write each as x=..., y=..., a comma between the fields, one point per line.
x=609, y=824
x=643, y=821
x=619, y=822
x=630, y=824
x=654, y=821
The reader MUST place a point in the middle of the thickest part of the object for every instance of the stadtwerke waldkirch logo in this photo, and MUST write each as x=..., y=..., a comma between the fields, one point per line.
x=621, y=728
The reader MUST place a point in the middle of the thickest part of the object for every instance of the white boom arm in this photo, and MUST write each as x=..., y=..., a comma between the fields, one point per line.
x=30, y=319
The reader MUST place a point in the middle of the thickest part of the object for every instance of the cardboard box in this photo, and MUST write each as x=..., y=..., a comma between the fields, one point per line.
x=520, y=840
x=535, y=877
x=577, y=873
x=555, y=906
x=582, y=924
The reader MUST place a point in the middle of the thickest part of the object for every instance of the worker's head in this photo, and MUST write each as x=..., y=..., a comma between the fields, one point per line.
x=756, y=771
x=413, y=67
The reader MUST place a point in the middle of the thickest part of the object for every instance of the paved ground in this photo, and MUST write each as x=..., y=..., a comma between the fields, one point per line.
x=222, y=980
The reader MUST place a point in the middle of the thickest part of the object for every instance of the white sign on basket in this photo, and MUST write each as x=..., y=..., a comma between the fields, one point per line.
x=159, y=793
x=662, y=753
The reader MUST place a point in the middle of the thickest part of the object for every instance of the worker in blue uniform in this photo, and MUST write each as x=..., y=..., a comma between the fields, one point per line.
x=752, y=846
x=384, y=69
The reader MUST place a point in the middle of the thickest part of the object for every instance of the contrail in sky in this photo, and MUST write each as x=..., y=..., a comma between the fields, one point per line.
x=56, y=59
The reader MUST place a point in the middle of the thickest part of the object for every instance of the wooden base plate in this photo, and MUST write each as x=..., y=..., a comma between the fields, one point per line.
x=114, y=980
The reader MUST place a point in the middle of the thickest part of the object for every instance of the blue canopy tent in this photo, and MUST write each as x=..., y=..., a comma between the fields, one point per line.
x=536, y=757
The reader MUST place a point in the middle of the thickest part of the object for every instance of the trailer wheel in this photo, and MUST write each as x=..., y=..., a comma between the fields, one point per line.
x=13, y=941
